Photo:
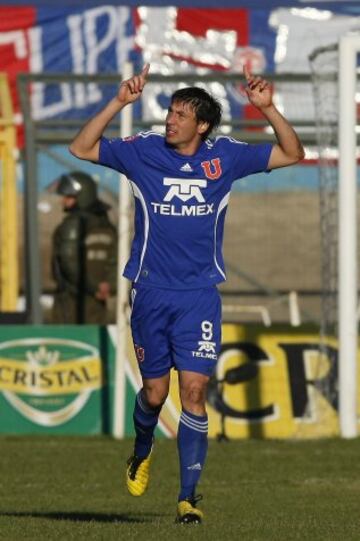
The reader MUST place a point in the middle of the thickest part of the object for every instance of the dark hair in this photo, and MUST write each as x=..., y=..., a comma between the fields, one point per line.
x=206, y=108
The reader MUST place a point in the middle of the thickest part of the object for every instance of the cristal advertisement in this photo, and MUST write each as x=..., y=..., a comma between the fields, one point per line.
x=51, y=378
x=272, y=382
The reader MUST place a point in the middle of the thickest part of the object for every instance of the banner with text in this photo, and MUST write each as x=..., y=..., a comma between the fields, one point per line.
x=52, y=380
x=272, y=382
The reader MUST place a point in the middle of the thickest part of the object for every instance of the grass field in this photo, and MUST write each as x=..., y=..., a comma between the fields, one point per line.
x=72, y=488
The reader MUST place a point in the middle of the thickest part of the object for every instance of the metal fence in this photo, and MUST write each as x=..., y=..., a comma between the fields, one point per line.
x=272, y=235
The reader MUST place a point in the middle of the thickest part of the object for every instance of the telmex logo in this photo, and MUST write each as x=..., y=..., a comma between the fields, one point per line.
x=48, y=380
x=185, y=189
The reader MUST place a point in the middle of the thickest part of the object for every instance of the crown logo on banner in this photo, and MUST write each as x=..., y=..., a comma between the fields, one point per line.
x=43, y=357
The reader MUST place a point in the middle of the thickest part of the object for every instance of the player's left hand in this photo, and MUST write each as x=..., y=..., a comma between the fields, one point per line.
x=131, y=89
x=258, y=90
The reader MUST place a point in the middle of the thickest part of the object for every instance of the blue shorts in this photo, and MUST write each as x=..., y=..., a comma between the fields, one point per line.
x=180, y=329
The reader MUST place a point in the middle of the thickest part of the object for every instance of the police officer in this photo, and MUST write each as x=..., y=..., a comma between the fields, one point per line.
x=84, y=253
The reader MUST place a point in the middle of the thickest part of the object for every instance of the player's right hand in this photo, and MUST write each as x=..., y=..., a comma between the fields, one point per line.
x=131, y=89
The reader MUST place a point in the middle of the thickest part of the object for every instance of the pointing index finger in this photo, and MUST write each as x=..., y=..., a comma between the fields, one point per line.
x=145, y=70
x=247, y=73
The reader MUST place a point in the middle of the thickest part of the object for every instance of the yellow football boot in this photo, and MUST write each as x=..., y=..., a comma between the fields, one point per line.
x=137, y=474
x=187, y=512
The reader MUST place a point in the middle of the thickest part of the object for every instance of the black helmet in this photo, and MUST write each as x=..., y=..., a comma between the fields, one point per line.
x=80, y=185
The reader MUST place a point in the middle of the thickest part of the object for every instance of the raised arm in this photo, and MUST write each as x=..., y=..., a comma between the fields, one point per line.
x=87, y=142
x=289, y=149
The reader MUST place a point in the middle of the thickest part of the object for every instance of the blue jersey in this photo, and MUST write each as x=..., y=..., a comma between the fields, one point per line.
x=180, y=205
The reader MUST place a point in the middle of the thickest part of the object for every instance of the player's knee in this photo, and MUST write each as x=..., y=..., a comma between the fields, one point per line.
x=193, y=395
x=155, y=398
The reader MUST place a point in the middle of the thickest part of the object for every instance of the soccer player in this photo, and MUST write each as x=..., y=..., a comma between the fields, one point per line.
x=181, y=184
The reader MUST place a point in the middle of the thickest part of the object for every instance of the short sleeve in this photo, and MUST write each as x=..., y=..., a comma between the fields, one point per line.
x=249, y=159
x=118, y=154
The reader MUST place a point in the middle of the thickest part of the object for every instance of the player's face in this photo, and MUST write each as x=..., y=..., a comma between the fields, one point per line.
x=183, y=131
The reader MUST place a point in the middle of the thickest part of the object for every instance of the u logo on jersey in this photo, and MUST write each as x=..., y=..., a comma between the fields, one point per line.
x=212, y=169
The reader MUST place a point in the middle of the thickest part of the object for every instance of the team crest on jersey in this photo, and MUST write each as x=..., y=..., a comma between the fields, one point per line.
x=212, y=169
x=140, y=353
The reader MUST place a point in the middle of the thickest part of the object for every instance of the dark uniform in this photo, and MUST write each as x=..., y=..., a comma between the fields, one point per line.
x=84, y=254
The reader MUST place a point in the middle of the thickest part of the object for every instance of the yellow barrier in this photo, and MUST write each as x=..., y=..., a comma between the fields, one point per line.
x=291, y=391
x=9, y=267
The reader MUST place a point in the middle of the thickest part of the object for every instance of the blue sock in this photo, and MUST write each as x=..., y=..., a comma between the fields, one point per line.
x=145, y=420
x=192, y=446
